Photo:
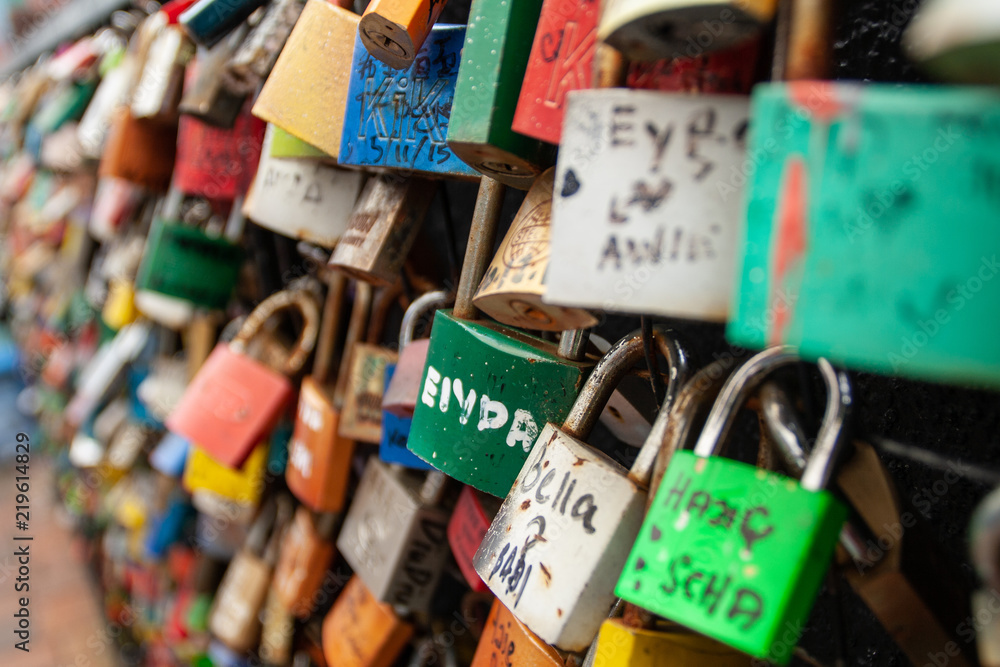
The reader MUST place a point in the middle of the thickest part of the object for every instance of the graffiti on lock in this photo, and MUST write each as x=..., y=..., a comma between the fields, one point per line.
x=418, y=571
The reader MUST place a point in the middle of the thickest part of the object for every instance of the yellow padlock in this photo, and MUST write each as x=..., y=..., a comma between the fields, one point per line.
x=619, y=645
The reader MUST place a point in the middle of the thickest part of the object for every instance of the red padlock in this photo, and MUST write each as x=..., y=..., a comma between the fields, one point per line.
x=234, y=401
x=733, y=70
x=401, y=395
x=473, y=515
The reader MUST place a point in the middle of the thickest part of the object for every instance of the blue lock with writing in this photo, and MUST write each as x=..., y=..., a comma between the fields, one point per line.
x=395, y=433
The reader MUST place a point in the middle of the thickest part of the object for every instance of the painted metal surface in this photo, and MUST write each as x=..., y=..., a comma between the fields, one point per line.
x=394, y=30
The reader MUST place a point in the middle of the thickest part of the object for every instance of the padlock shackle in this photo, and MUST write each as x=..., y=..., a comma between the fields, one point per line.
x=479, y=250
x=419, y=307
x=363, y=293
x=387, y=296
x=612, y=368
x=573, y=345
x=301, y=300
x=839, y=401
x=332, y=312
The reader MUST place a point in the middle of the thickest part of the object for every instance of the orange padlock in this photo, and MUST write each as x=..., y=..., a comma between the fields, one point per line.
x=506, y=641
x=360, y=631
x=305, y=555
x=394, y=30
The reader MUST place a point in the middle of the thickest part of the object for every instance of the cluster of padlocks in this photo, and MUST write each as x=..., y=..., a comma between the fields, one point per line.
x=436, y=501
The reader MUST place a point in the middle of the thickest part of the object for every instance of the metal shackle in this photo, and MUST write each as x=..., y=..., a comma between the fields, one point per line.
x=301, y=300
x=612, y=368
x=820, y=467
x=417, y=309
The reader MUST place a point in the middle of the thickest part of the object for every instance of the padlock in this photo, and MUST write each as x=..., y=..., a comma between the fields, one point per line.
x=111, y=94
x=218, y=163
x=139, y=151
x=306, y=93
x=784, y=532
x=239, y=487
x=506, y=641
x=361, y=419
x=394, y=30
x=206, y=97
x=676, y=223
x=516, y=380
x=158, y=91
x=360, y=631
x=276, y=633
x=306, y=553
x=209, y=21
x=318, y=458
x=489, y=83
x=243, y=590
x=663, y=29
x=394, y=534
x=562, y=58
x=395, y=433
x=170, y=455
x=732, y=70
x=61, y=106
x=399, y=118
x=824, y=219
x=382, y=228
x=956, y=40
x=474, y=512
x=253, y=61
x=594, y=516
x=512, y=290
x=403, y=392
x=234, y=401
x=621, y=645
x=116, y=202
x=285, y=145
x=304, y=199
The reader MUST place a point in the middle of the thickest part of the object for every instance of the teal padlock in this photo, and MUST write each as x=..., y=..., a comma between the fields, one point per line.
x=735, y=552
x=870, y=231
x=487, y=389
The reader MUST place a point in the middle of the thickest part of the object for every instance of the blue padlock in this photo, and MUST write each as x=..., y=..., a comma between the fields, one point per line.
x=208, y=21
x=395, y=432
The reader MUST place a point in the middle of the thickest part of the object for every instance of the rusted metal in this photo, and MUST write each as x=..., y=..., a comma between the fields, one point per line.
x=479, y=252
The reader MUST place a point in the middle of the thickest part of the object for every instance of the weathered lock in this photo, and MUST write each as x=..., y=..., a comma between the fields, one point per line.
x=589, y=517
x=319, y=460
x=394, y=535
x=403, y=391
x=243, y=590
x=209, y=21
x=382, y=228
x=825, y=219
x=234, y=401
x=215, y=162
x=206, y=97
x=474, y=512
x=276, y=633
x=303, y=199
x=506, y=641
x=394, y=30
x=983, y=538
x=306, y=93
x=562, y=57
x=512, y=290
x=487, y=387
x=366, y=363
x=399, y=118
x=306, y=553
x=158, y=92
x=621, y=645
x=489, y=82
x=139, y=151
x=657, y=190
x=239, y=486
x=252, y=62
x=655, y=29
x=956, y=40
x=760, y=542
x=360, y=631
x=395, y=433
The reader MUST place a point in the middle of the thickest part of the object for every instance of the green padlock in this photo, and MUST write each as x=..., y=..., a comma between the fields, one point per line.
x=488, y=389
x=735, y=552
x=494, y=58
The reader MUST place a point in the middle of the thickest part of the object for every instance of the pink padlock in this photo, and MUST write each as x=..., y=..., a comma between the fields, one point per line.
x=401, y=395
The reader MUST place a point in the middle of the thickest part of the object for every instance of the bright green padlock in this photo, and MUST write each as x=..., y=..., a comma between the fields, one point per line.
x=735, y=552
x=487, y=389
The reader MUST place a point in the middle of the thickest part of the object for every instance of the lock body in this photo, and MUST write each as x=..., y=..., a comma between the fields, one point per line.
x=214, y=162
x=300, y=198
x=486, y=392
x=619, y=645
x=206, y=97
x=394, y=30
x=233, y=619
x=560, y=540
x=242, y=486
x=562, y=56
x=161, y=81
x=319, y=461
x=733, y=552
x=230, y=405
x=360, y=631
x=514, y=284
x=826, y=222
x=473, y=515
x=362, y=416
x=139, y=151
x=399, y=118
x=396, y=543
x=184, y=262
x=635, y=215
x=382, y=228
x=396, y=431
x=506, y=641
x=662, y=29
x=302, y=564
x=403, y=390
x=489, y=83
x=209, y=21
x=306, y=92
